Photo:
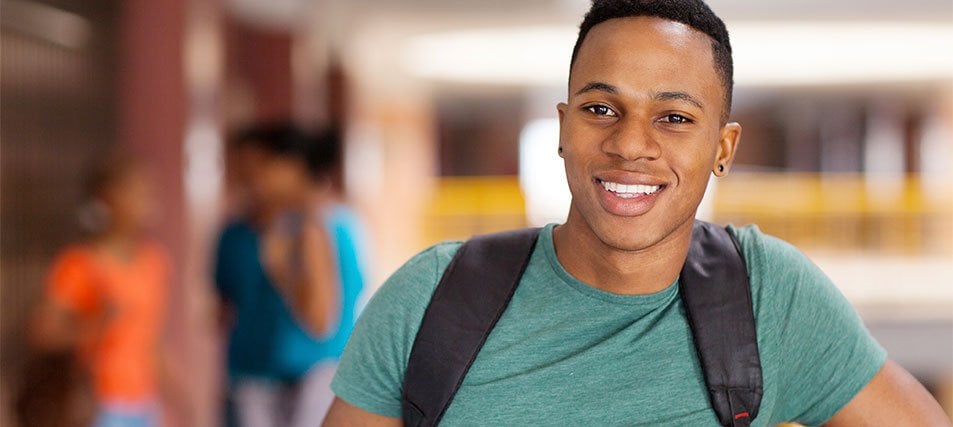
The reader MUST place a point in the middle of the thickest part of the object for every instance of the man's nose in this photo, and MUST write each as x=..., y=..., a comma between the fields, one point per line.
x=632, y=140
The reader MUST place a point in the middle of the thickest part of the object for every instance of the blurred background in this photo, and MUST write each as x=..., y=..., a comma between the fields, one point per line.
x=448, y=112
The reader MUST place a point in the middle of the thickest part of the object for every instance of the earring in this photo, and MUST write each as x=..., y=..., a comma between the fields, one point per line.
x=721, y=168
x=560, y=150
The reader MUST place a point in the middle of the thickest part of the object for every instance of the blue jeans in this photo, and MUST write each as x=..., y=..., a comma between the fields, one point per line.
x=128, y=414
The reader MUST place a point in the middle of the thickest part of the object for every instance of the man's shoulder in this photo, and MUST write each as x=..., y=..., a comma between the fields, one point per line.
x=763, y=250
x=418, y=277
x=779, y=271
x=372, y=366
x=749, y=236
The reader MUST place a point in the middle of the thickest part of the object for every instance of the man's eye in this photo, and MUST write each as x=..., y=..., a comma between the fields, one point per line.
x=677, y=119
x=601, y=110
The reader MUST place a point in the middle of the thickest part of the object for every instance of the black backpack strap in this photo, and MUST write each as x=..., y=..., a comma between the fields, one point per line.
x=714, y=288
x=470, y=298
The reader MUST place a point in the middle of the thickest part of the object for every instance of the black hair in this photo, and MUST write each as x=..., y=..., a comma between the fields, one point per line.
x=318, y=151
x=324, y=153
x=694, y=13
x=283, y=139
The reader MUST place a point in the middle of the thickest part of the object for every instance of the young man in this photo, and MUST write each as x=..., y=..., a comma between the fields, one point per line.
x=596, y=332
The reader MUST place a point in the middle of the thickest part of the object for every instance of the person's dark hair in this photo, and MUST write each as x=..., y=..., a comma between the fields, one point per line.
x=694, y=13
x=324, y=153
x=277, y=138
x=318, y=151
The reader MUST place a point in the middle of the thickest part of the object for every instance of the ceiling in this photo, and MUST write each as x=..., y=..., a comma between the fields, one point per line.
x=495, y=12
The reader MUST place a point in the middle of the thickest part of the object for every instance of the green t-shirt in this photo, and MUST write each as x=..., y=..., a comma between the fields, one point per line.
x=565, y=353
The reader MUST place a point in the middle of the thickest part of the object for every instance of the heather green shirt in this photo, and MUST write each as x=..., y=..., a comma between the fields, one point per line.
x=565, y=353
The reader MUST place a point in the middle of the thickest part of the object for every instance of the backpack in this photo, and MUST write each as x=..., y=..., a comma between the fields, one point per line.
x=483, y=275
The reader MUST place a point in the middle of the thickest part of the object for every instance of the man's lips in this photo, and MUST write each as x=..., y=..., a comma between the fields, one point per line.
x=632, y=195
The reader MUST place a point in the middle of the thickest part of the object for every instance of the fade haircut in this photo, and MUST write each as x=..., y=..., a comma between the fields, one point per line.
x=694, y=13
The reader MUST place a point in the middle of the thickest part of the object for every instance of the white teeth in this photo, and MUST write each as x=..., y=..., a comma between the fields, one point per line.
x=629, y=191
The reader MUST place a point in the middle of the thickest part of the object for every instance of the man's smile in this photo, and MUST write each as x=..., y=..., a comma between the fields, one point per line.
x=629, y=191
x=628, y=195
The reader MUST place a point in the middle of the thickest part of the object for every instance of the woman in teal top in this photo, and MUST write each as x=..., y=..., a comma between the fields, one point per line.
x=290, y=276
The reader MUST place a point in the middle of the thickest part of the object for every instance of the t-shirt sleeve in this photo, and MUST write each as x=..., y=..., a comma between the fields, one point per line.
x=371, y=372
x=825, y=355
x=70, y=282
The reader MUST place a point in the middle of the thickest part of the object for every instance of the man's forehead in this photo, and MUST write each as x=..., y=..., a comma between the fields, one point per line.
x=626, y=36
x=621, y=40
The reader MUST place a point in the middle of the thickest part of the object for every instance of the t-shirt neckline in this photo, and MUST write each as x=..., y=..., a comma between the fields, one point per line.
x=546, y=244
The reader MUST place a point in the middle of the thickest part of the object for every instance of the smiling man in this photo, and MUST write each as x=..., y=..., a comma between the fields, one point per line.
x=598, y=330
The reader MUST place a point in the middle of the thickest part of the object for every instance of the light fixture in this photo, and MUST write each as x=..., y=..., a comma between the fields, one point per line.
x=765, y=54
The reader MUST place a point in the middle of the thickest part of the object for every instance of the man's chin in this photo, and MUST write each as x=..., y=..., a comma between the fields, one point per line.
x=627, y=243
x=629, y=234
x=633, y=233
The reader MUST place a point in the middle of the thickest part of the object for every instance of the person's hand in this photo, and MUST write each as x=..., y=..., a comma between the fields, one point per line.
x=277, y=249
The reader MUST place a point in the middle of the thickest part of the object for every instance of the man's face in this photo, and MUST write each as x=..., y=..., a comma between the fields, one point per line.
x=641, y=130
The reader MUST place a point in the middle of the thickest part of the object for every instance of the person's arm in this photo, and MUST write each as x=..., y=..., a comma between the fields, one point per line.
x=310, y=289
x=53, y=327
x=70, y=310
x=317, y=293
x=344, y=414
x=893, y=397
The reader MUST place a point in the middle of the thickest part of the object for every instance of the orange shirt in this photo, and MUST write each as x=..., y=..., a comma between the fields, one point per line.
x=120, y=305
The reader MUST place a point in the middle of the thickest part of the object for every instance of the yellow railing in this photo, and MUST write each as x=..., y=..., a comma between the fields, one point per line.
x=906, y=215
x=464, y=206
x=837, y=212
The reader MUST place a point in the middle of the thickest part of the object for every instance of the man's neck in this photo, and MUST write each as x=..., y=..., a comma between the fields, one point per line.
x=592, y=261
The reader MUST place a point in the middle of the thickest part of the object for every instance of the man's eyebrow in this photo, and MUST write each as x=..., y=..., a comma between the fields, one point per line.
x=600, y=86
x=679, y=96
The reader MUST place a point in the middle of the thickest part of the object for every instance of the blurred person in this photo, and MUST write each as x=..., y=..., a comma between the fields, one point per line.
x=289, y=276
x=596, y=328
x=105, y=302
x=348, y=241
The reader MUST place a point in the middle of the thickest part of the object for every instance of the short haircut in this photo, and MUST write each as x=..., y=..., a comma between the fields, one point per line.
x=694, y=13
x=319, y=152
x=283, y=139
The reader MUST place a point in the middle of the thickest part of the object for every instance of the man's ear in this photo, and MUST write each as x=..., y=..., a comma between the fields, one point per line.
x=727, y=146
x=561, y=109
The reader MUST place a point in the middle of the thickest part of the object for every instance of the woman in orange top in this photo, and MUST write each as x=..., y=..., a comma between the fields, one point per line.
x=106, y=297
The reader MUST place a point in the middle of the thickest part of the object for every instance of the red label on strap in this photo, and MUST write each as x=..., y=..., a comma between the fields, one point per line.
x=742, y=415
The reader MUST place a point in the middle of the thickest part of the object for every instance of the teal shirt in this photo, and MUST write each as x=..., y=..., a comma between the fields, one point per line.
x=566, y=353
x=267, y=341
